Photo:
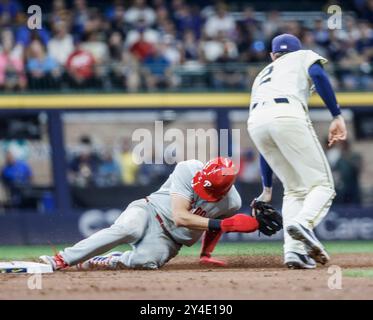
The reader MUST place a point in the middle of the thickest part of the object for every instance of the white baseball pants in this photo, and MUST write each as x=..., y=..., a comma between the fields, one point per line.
x=289, y=144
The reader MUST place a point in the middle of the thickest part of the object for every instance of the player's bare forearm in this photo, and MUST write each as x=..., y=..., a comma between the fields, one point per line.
x=183, y=217
x=188, y=220
x=181, y=211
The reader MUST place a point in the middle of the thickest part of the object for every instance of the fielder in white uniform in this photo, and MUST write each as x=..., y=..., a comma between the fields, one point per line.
x=195, y=200
x=281, y=129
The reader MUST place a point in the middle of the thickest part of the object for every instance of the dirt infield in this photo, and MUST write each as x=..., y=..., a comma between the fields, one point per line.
x=255, y=277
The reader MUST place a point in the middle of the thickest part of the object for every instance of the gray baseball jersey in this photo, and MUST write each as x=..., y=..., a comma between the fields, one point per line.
x=137, y=224
x=180, y=183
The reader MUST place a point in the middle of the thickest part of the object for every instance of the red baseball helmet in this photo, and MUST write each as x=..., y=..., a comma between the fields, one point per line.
x=215, y=179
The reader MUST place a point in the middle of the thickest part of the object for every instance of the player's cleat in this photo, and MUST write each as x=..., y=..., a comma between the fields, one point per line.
x=55, y=261
x=106, y=262
x=294, y=260
x=313, y=246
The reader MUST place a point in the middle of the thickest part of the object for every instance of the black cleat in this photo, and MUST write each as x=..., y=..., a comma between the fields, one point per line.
x=294, y=260
x=313, y=246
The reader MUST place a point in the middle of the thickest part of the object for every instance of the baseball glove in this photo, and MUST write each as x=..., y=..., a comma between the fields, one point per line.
x=270, y=221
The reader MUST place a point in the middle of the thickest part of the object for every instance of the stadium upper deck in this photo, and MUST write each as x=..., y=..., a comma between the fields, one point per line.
x=132, y=46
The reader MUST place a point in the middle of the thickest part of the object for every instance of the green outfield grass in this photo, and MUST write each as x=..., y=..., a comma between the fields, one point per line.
x=359, y=273
x=225, y=249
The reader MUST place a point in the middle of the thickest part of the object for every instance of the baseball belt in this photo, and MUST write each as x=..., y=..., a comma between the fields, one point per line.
x=276, y=100
x=161, y=222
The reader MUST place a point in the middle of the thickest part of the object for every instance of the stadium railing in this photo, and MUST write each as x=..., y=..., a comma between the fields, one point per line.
x=190, y=76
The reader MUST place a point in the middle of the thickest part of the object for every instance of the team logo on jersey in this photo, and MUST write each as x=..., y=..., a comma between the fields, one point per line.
x=200, y=212
x=207, y=183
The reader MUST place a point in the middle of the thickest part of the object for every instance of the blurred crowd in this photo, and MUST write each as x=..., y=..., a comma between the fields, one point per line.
x=90, y=164
x=147, y=45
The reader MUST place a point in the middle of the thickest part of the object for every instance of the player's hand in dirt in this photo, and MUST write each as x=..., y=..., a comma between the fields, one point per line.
x=239, y=223
x=208, y=261
x=337, y=130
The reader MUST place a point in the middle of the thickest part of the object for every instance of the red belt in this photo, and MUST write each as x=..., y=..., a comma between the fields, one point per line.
x=161, y=222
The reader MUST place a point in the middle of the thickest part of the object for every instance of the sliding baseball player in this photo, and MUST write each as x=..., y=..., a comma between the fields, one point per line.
x=281, y=129
x=195, y=200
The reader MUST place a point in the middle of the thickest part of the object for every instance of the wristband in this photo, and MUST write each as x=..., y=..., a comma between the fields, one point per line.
x=338, y=115
x=214, y=224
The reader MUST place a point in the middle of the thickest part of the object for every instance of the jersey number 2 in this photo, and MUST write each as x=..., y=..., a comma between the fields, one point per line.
x=266, y=76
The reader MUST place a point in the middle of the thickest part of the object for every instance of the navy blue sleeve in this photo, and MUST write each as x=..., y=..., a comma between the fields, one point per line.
x=324, y=88
x=266, y=172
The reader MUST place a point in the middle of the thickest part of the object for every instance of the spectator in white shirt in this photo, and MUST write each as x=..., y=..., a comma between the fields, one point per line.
x=220, y=22
x=62, y=44
x=140, y=10
x=172, y=49
x=215, y=48
x=98, y=48
x=148, y=34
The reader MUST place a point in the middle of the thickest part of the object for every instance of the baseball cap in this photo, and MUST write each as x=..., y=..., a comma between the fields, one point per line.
x=286, y=43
